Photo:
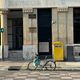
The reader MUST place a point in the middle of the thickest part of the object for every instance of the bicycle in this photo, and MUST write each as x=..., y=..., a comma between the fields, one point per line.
x=34, y=64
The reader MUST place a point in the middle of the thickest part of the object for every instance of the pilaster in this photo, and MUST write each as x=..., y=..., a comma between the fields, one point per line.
x=4, y=41
x=29, y=33
x=62, y=24
x=54, y=25
x=70, y=33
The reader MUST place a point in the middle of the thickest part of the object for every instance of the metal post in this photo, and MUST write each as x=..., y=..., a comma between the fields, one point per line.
x=2, y=35
x=2, y=46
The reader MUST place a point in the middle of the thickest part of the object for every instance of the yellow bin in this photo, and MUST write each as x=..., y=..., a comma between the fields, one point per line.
x=58, y=51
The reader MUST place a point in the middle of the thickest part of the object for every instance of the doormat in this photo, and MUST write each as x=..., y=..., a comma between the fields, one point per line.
x=14, y=68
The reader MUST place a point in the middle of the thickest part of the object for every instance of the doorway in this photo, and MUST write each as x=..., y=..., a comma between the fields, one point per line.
x=76, y=15
x=44, y=32
x=15, y=34
x=15, y=30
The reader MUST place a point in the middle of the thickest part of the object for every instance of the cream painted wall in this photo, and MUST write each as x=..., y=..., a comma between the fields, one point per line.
x=38, y=3
x=70, y=25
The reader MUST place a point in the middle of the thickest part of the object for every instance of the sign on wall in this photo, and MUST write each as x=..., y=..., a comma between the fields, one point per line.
x=43, y=46
x=32, y=16
x=32, y=29
x=1, y=30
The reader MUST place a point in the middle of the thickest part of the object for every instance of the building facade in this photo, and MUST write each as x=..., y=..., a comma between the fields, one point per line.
x=31, y=27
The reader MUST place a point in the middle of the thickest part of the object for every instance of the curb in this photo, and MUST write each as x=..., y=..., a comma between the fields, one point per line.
x=17, y=68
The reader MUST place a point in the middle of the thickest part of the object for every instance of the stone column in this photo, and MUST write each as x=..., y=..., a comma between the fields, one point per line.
x=29, y=38
x=62, y=24
x=54, y=28
x=54, y=25
x=4, y=41
x=70, y=33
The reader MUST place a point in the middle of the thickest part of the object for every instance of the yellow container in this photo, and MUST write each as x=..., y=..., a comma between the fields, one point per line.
x=58, y=51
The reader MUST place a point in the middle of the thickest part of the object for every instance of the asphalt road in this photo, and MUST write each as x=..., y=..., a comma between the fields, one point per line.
x=39, y=75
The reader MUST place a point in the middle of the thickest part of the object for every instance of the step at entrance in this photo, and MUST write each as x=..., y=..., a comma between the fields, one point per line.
x=15, y=55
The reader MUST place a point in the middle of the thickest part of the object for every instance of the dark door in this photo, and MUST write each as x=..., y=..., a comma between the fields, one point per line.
x=17, y=34
x=44, y=32
x=77, y=25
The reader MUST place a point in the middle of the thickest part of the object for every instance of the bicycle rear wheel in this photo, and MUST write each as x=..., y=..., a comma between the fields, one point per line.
x=50, y=65
x=31, y=66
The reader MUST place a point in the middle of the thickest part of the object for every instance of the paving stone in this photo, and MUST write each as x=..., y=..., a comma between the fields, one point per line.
x=9, y=79
x=36, y=73
x=32, y=75
x=75, y=76
x=11, y=76
x=21, y=77
x=53, y=79
x=56, y=76
x=1, y=78
x=74, y=73
x=68, y=78
x=22, y=74
x=42, y=75
x=76, y=79
x=30, y=79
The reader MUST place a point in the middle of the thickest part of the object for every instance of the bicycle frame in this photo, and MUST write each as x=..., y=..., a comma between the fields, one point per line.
x=36, y=62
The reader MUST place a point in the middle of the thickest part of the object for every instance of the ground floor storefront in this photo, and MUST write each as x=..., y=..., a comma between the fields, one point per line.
x=33, y=31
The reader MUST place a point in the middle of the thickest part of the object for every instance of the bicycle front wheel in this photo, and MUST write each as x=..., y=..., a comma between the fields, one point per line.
x=31, y=66
x=50, y=65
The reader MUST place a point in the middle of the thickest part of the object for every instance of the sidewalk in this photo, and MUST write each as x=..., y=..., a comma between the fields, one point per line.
x=4, y=65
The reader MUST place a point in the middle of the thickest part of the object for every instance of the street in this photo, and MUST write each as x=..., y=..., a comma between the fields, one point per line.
x=39, y=75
